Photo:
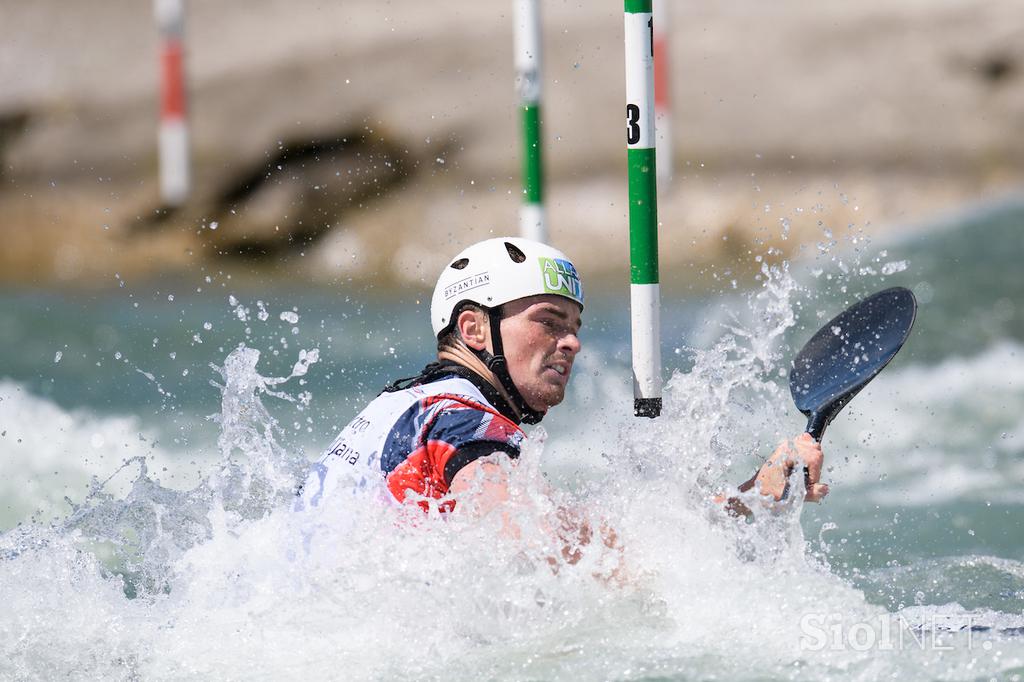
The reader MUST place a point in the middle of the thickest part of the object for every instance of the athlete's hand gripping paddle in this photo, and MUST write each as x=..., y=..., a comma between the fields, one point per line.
x=844, y=355
x=847, y=353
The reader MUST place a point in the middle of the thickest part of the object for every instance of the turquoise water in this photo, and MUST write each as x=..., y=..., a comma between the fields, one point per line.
x=922, y=530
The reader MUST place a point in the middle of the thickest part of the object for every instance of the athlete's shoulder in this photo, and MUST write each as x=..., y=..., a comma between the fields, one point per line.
x=452, y=387
x=460, y=420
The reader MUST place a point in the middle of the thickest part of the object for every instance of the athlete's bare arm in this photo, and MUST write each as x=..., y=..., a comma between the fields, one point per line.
x=483, y=486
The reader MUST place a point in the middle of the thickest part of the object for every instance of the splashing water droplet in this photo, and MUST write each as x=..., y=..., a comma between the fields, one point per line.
x=892, y=267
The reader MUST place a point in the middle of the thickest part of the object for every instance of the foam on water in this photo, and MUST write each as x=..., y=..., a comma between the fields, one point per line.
x=225, y=580
x=921, y=426
x=37, y=437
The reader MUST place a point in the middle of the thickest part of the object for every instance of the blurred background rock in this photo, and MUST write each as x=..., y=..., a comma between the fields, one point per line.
x=368, y=140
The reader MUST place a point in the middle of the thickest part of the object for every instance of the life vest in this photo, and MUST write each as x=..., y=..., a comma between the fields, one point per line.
x=413, y=439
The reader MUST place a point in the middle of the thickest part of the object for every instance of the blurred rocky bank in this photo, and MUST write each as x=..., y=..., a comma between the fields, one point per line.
x=370, y=140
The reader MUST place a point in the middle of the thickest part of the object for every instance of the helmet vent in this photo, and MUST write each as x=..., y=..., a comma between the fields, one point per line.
x=515, y=253
x=460, y=264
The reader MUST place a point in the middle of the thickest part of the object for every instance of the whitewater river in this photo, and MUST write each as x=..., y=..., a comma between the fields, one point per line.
x=148, y=464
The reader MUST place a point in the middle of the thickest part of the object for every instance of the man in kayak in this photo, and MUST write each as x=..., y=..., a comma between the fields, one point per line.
x=506, y=314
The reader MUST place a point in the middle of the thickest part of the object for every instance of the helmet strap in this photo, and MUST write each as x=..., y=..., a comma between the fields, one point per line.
x=497, y=363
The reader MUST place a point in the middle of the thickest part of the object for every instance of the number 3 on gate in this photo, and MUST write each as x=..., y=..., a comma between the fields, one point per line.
x=632, y=123
x=634, y=132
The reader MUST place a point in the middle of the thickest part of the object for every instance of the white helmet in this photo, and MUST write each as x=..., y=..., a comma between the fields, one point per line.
x=496, y=271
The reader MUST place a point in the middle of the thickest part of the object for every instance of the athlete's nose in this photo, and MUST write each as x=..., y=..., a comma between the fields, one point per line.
x=569, y=344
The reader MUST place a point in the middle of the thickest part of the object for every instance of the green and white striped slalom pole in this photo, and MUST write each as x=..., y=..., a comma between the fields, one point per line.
x=527, y=39
x=645, y=296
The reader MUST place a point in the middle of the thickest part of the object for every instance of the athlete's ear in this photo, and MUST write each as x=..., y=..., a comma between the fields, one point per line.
x=474, y=328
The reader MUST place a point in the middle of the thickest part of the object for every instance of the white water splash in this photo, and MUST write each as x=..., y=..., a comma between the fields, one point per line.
x=892, y=267
x=225, y=581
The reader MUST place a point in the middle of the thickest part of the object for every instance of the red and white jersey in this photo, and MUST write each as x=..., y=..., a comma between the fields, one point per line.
x=414, y=439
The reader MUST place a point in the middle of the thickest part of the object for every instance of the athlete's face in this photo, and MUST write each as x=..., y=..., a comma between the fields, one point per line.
x=540, y=335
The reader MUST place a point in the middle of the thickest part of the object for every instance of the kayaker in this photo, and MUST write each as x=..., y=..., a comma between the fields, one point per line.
x=506, y=313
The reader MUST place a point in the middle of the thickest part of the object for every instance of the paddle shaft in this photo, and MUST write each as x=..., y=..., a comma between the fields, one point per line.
x=816, y=424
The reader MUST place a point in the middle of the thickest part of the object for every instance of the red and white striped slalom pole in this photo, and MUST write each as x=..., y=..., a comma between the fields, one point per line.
x=662, y=93
x=173, y=140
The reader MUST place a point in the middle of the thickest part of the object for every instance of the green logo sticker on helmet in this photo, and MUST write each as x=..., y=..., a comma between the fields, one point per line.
x=560, y=277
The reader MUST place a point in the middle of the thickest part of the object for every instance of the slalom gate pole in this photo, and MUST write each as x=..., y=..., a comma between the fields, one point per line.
x=173, y=136
x=645, y=297
x=527, y=38
x=662, y=92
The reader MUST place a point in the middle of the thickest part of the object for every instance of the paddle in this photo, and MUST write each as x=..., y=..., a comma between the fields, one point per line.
x=845, y=354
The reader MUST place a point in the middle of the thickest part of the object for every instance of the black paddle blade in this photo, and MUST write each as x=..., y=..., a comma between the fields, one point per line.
x=847, y=353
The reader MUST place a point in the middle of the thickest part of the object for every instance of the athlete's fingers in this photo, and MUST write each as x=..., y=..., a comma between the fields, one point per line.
x=783, y=453
x=804, y=438
x=772, y=480
x=810, y=452
x=817, y=492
